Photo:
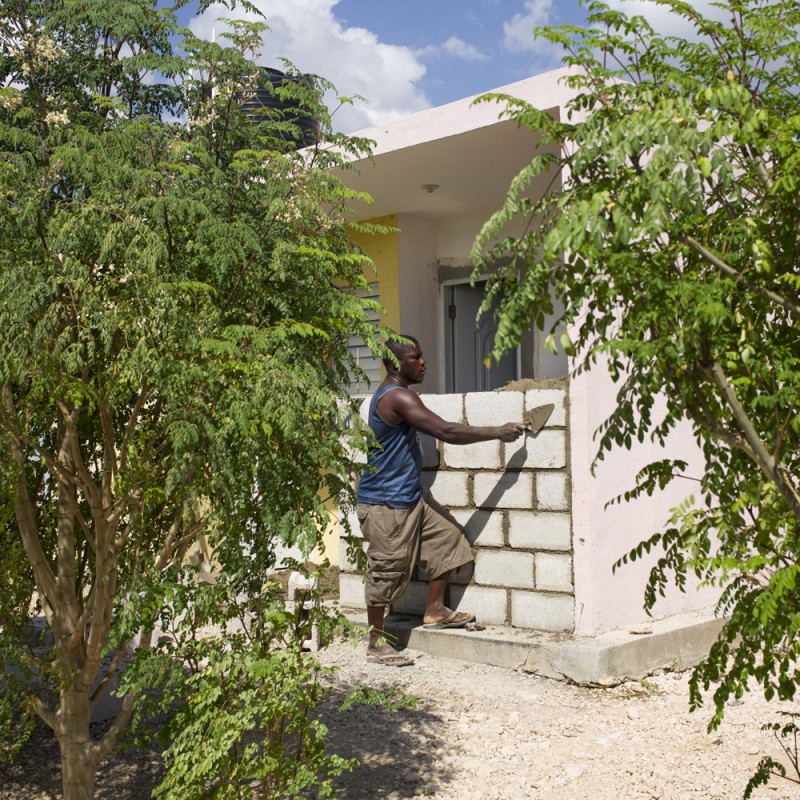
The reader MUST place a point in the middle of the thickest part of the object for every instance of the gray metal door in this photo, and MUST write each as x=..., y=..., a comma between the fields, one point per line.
x=470, y=343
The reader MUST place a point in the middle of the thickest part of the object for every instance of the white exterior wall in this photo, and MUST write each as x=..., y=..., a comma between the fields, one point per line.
x=455, y=237
x=420, y=293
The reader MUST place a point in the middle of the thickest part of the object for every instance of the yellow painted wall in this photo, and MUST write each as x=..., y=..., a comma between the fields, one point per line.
x=330, y=536
x=384, y=251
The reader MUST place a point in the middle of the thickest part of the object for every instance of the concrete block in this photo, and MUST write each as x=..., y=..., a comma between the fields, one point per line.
x=503, y=490
x=351, y=590
x=430, y=451
x=353, y=523
x=301, y=587
x=544, y=450
x=481, y=455
x=493, y=408
x=551, y=491
x=483, y=528
x=504, y=568
x=553, y=572
x=540, y=397
x=447, y=406
x=535, y=530
x=357, y=456
x=488, y=605
x=363, y=410
x=451, y=489
x=302, y=605
x=414, y=599
x=544, y=612
x=344, y=562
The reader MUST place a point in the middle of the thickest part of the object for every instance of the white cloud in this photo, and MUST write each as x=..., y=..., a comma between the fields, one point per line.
x=307, y=33
x=662, y=20
x=518, y=31
x=452, y=47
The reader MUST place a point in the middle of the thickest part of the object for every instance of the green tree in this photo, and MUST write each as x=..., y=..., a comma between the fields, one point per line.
x=173, y=343
x=672, y=236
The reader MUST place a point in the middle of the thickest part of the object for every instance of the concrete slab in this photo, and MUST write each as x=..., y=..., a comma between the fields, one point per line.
x=675, y=643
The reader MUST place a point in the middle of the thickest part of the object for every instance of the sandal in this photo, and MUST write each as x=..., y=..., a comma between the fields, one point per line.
x=455, y=619
x=390, y=659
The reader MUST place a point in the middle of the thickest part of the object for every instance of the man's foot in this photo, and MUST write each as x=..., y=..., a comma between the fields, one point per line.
x=388, y=657
x=452, y=619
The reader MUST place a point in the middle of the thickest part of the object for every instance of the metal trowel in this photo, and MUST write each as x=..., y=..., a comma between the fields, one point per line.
x=535, y=419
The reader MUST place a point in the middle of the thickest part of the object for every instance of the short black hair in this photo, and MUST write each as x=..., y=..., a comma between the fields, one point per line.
x=398, y=348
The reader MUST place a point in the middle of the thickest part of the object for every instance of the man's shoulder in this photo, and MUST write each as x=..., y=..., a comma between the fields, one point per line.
x=399, y=396
x=389, y=390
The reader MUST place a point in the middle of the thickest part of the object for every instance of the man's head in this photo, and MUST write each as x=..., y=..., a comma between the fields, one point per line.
x=399, y=348
x=411, y=363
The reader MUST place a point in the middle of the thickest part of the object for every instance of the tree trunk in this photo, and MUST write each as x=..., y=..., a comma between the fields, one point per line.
x=78, y=751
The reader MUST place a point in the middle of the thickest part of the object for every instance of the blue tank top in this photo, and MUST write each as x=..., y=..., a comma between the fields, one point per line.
x=395, y=464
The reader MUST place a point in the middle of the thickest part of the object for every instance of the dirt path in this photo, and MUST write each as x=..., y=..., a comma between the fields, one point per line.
x=485, y=733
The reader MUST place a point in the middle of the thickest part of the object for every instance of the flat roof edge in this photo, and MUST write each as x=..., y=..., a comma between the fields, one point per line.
x=545, y=91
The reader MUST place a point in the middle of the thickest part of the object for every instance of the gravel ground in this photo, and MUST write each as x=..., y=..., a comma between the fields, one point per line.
x=486, y=733
x=482, y=733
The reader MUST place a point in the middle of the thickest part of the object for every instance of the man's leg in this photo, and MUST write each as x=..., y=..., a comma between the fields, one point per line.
x=378, y=649
x=444, y=547
x=393, y=539
x=375, y=622
x=437, y=613
x=436, y=610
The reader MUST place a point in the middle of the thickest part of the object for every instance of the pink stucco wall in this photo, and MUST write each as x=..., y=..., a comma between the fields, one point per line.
x=602, y=534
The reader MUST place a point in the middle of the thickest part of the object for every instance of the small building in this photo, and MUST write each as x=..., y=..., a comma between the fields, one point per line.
x=538, y=518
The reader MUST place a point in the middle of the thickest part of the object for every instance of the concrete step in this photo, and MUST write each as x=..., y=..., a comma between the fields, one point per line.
x=676, y=643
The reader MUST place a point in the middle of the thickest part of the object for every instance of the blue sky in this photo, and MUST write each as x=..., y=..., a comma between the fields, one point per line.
x=407, y=55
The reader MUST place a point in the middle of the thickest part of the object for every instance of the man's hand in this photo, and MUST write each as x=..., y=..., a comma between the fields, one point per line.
x=510, y=432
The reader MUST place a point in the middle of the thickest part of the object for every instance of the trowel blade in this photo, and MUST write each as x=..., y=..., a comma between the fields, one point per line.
x=536, y=417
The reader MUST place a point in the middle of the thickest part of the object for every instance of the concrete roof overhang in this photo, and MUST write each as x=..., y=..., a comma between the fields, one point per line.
x=464, y=149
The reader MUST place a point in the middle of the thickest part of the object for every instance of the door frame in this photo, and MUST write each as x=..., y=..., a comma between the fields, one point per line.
x=449, y=327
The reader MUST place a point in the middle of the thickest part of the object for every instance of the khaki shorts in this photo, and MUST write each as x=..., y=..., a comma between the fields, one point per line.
x=401, y=538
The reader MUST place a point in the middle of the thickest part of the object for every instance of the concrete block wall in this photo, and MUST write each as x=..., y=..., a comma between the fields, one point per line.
x=513, y=501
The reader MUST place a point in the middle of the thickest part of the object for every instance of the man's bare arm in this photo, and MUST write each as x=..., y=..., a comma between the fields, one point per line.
x=405, y=405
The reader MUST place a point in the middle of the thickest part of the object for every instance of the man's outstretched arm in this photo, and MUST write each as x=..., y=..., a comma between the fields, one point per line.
x=405, y=405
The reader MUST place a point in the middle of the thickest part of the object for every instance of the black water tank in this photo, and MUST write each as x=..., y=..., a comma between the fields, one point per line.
x=264, y=104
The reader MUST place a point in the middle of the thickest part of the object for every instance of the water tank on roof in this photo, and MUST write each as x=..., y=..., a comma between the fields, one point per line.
x=265, y=103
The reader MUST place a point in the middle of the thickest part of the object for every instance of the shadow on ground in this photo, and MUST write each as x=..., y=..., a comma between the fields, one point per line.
x=394, y=748
x=36, y=773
